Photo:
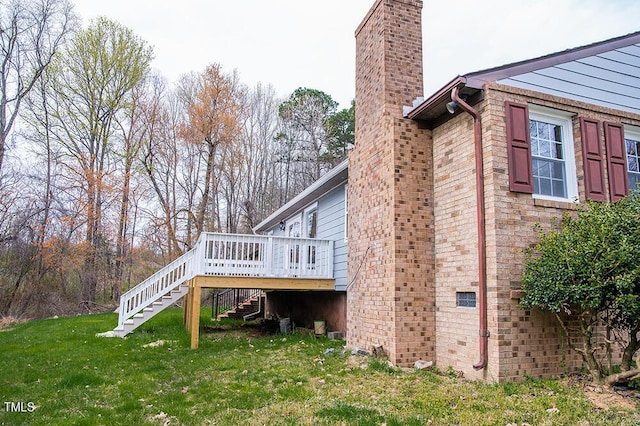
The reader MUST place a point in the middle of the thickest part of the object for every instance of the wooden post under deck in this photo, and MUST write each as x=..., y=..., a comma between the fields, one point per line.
x=195, y=294
x=185, y=308
x=191, y=314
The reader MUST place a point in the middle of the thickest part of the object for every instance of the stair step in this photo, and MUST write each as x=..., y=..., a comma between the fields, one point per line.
x=247, y=307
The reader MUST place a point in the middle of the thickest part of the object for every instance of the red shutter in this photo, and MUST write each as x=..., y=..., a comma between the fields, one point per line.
x=592, y=159
x=616, y=160
x=519, y=148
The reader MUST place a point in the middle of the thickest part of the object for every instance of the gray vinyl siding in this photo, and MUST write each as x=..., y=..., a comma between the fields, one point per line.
x=331, y=227
x=610, y=79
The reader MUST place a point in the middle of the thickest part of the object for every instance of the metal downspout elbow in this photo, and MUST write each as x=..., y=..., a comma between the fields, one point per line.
x=480, y=215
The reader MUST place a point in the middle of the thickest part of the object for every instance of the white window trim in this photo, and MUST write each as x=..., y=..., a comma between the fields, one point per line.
x=632, y=130
x=301, y=218
x=305, y=224
x=563, y=119
x=633, y=133
x=310, y=207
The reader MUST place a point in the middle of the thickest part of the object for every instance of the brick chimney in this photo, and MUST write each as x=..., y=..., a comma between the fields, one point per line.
x=391, y=298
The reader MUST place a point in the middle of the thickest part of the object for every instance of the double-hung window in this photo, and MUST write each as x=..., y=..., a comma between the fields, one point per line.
x=552, y=154
x=632, y=142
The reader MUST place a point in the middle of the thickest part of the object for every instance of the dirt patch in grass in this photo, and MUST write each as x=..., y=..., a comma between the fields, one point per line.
x=260, y=328
x=605, y=398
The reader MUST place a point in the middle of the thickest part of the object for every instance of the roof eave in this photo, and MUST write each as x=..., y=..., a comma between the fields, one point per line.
x=436, y=98
x=431, y=112
x=478, y=78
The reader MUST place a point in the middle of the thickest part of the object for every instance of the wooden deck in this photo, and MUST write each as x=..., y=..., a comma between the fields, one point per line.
x=228, y=261
x=193, y=299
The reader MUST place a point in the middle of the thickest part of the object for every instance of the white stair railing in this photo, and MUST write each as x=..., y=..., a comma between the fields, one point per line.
x=163, y=282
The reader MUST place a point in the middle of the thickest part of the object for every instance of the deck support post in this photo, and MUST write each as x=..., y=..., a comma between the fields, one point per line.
x=193, y=321
x=193, y=298
x=185, y=307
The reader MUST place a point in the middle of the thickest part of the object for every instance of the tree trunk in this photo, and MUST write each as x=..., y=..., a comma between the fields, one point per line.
x=202, y=208
x=48, y=195
x=121, y=249
x=630, y=350
x=90, y=273
x=89, y=278
x=587, y=352
x=624, y=377
x=2, y=151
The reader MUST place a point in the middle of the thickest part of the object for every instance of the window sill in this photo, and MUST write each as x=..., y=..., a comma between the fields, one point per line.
x=565, y=205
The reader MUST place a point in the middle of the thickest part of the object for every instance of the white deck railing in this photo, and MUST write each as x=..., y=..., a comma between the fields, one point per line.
x=264, y=256
x=233, y=255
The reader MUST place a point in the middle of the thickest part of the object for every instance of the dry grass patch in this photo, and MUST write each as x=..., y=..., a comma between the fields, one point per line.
x=7, y=323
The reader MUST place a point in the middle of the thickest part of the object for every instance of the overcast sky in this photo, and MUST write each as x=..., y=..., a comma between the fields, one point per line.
x=304, y=43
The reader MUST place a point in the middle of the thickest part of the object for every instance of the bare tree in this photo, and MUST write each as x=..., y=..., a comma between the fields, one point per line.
x=160, y=158
x=94, y=79
x=132, y=130
x=260, y=125
x=15, y=237
x=231, y=179
x=31, y=32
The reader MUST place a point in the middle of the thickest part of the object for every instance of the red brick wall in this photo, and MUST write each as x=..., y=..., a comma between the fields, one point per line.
x=390, y=299
x=522, y=342
x=526, y=342
x=456, y=252
x=412, y=217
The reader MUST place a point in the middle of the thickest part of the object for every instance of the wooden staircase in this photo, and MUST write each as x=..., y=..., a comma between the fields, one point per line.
x=247, y=308
x=150, y=311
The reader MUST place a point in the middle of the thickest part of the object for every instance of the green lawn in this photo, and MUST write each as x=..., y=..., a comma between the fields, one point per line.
x=72, y=377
